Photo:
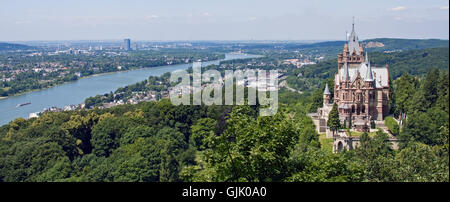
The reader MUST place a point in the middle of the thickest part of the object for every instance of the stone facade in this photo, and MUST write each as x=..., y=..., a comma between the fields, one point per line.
x=361, y=90
x=341, y=142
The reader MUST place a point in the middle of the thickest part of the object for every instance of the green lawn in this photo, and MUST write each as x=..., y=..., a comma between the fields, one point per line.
x=357, y=134
x=326, y=143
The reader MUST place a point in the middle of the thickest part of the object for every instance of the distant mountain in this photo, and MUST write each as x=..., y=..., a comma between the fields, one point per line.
x=12, y=47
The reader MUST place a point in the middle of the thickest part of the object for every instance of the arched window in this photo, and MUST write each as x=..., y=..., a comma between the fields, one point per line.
x=340, y=146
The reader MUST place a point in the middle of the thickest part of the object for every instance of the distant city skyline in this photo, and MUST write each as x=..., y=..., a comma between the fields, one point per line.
x=190, y=20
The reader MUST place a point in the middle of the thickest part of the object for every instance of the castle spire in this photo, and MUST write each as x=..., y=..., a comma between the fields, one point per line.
x=366, y=59
x=369, y=74
x=346, y=76
x=353, y=41
x=353, y=24
x=326, y=91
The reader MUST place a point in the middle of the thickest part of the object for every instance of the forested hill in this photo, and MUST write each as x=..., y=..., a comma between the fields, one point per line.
x=331, y=48
x=11, y=46
x=415, y=62
x=391, y=44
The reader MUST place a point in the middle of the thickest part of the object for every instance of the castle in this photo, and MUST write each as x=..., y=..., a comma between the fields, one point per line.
x=361, y=91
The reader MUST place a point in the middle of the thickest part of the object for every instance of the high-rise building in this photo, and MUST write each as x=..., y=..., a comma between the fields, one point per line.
x=127, y=44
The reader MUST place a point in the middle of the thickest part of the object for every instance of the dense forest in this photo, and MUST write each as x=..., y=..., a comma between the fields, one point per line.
x=156, y=141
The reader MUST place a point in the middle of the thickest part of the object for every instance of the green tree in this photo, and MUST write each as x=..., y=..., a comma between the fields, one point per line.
x=106, y=135
x=140, y=131
x=252, y=149
x=421, y=163
x=201, y=130
x=404, y=90
x=333, y=119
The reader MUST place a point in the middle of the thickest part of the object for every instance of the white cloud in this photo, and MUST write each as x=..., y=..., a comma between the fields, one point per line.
x=398, y=8
x=444, y=8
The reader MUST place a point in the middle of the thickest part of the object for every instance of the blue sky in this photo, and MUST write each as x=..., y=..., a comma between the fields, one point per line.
x=221, y=19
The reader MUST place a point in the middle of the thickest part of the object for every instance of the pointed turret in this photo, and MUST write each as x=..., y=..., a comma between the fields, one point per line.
x=369, y=74
x=346, y=76
x=366, y=59
x=326, y=96
x=353, y=42
x=326, y=91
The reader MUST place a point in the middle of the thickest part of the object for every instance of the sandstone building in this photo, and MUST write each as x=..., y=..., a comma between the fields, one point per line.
x=361, y=90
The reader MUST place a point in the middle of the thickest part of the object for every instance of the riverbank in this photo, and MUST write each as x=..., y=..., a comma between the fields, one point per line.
x=76, y=92
x=94, y=75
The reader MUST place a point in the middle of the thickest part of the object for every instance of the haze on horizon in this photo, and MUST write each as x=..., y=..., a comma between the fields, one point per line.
x=167, y=20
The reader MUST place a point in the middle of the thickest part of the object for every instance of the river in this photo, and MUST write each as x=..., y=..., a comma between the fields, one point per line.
x=76, y=92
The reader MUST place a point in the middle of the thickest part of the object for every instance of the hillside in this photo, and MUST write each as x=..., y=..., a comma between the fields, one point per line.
x=331, y=48
x=391, y=44
x=11, y=47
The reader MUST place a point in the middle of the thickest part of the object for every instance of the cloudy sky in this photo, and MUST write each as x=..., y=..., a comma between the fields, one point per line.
x=221, y=19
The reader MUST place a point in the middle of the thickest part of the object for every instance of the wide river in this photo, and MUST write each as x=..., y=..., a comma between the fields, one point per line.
x=76, y=92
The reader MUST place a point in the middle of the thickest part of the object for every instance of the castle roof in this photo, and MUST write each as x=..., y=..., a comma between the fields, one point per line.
x=379, y=74
x=369, y=73
x=345, y=75
x=366, y=59
x=353, y=42
x=326, y=91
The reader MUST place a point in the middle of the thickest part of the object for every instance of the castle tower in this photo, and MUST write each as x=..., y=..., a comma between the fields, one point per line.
x=326, y=95
x=353, y=52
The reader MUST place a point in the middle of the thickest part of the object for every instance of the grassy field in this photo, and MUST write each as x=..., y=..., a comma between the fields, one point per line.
x=357, y=134
x=326, y=143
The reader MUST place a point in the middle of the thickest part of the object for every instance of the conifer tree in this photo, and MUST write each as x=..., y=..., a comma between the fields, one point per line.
x=333, y=119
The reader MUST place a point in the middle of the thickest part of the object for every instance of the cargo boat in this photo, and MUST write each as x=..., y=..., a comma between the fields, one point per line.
x=20, y=105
